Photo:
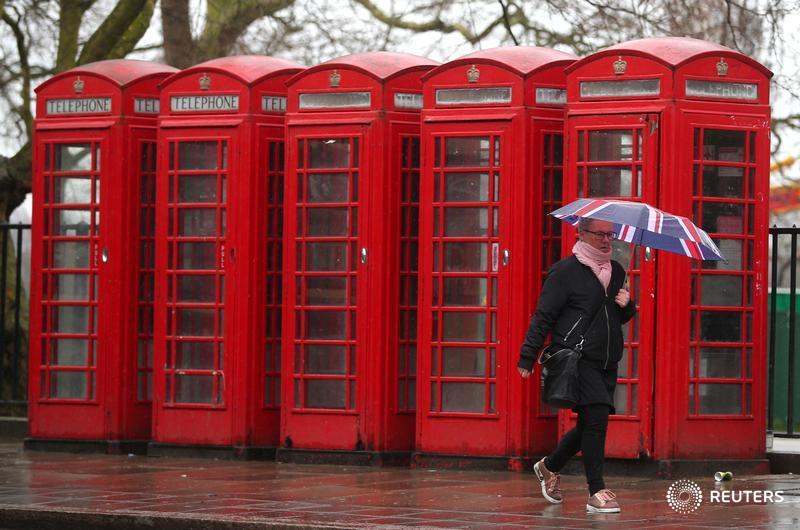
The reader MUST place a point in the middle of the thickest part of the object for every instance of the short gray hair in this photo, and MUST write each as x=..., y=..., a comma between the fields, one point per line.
x=584, y=223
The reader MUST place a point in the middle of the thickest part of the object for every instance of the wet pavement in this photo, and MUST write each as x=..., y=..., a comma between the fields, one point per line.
x=61, y=490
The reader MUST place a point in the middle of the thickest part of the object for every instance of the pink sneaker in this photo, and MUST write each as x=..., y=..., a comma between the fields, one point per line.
x=551, y=482
x=604, y=501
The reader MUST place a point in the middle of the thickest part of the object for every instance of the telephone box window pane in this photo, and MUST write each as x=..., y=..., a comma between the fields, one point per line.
x=723, y=145
x=465, y=292
x=720, y=362
x=463, y=397
x=464, y=362
x=69, y=352
x=197, y=155
x=610, y=146
x=621, y=399
x=327, y=222
x=720, y=399
x=717, y=326
x=196, y=288
x=466, y=222
x=73, y=157
x=326, y=359
x=464, y=327
x=197, y=188
x=609, y=182
x=194, y=355
x=328, y=187
x=466, y=257
x=70, y=319
x=329, y=153
x=732, y=250
x=722, y=218
x=326, y=256
x=722, y=181
x=467, y=151
x=326, y=325
x=326, y=291
x=197, y=222
x=68, y=385
x=71, y=287
x=72, y=223
x=70, y=255
x=721, y=290
x=195, y=322
x=75, y=190
x=466, y=187
x=197, y=256
x=325, y=394
x=194, y=389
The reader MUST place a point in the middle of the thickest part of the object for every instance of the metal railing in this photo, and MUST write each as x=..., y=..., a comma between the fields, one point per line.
x=14, y=273
x=782, y=331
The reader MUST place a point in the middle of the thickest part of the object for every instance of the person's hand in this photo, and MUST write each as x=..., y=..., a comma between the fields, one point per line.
x=622, y=298
x=523, y=372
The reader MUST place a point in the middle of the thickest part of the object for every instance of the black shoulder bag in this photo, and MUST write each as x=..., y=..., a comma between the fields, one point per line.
x=560, y=371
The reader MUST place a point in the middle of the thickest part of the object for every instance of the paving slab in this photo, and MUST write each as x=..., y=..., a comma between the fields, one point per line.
x=41, y=490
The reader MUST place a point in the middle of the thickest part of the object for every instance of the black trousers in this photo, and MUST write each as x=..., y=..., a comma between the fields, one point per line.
x=589, y=437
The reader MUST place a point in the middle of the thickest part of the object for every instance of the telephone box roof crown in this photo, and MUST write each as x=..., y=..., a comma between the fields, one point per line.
x=121, y=72
x=379, y=65
x=672, y=52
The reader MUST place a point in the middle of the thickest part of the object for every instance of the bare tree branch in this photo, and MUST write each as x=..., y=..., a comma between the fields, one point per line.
x=113, y=28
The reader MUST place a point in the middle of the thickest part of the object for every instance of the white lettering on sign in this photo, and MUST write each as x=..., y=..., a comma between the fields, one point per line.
x=273, y=104
x=146, y=105
x=335, y=100
x=209, y=102
x=721, y=89
x=78, y=106
x=622, y=89
x=551, y=96
x=403, y=100
x=481, y=96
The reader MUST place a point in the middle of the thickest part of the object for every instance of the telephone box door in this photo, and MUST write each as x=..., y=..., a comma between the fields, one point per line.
x=72, y=366
x=195, y=361
x=616, y=156
x=327, y=257
x=464, y=257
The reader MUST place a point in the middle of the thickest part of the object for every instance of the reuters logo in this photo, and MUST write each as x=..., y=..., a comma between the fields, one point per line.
x=684, y=496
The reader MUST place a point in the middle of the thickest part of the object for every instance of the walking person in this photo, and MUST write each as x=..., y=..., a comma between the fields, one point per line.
x=585, y=290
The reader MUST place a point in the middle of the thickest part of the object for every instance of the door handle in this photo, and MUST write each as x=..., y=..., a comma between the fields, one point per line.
x=364, y=255
x=506, y=257
x=648, y=254
x=104, y=255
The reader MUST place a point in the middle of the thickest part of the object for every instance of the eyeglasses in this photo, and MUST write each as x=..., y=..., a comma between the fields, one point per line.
x=602, y=235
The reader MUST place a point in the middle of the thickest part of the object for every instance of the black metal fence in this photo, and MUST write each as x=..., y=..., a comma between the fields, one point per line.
x=14, y=286
x=783, y=404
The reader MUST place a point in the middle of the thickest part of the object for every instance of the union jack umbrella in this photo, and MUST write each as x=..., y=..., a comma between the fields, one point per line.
x=644, y=225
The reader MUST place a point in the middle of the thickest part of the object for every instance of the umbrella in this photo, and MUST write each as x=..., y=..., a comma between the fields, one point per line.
x=644, y=225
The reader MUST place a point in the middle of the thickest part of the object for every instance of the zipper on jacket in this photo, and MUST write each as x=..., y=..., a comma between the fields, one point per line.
x=572, y=328
x=608, y=331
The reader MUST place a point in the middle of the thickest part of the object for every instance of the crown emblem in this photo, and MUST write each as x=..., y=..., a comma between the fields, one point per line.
x=620, y=65
x=722, y=68
x=205, y=82
x=77, y=85
x=473, y=74
x=335, y=78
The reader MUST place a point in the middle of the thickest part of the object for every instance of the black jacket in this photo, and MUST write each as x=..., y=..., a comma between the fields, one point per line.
x=571, y=295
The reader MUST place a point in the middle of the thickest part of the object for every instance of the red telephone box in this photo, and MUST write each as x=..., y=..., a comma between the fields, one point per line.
x=492, y=149
x=91, y=291
x=350, y=269
x=684, y=125
x=219, y=216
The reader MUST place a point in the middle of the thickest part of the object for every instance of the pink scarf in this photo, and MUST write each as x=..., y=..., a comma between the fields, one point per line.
x=597, y=260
